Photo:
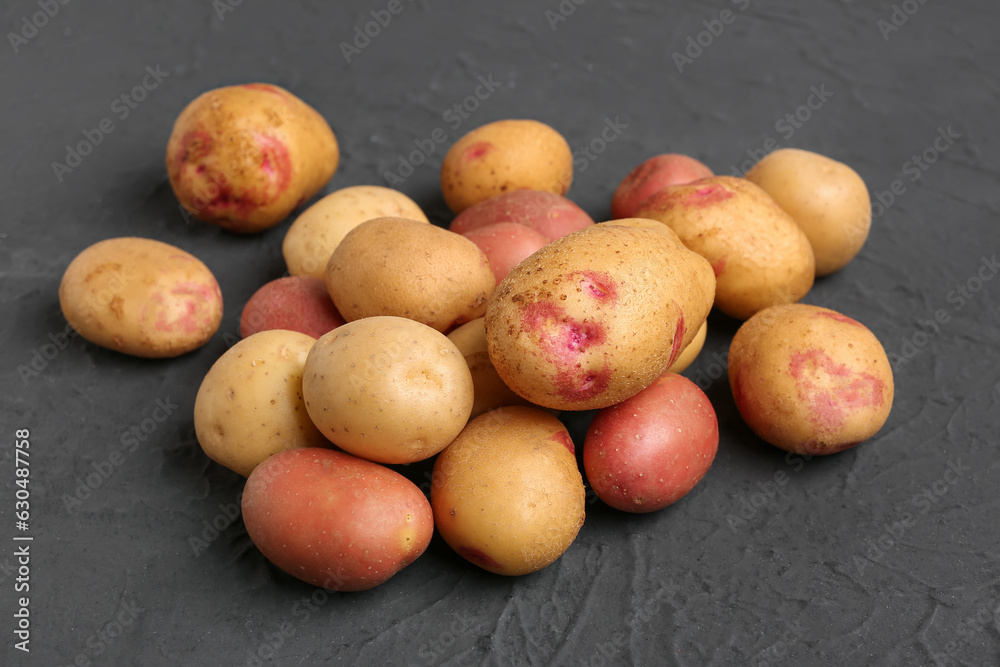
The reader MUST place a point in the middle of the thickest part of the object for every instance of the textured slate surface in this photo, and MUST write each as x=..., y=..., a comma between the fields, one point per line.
x=874, y=556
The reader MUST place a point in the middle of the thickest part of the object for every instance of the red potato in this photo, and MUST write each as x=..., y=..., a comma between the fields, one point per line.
x=649, y=451
x=655, y=174
x=506, y=244
x=551, y=215
x=296, y=303
x=334, y=520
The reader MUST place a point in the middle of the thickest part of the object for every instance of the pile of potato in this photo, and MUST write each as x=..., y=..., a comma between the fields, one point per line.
x=392, y=340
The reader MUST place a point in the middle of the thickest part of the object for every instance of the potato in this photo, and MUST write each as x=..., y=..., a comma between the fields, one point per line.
x=318, y=231
x=691, y=350
x=551, y=215
x=335, y=521
x=594, y=317
x=141, y=297
x=388, y=389
x=810, y=380
x=505, y=244
x=296, y=303
x=760, y=256
x=244, y=157
x=650, y=450
x=503, y=156
x=489, y=390
x=827, y=199
x=655, y=174
x=250, y=405
x=507, y=494
x=405, y=268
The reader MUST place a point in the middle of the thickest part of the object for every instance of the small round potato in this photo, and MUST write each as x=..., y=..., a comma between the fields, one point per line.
x=250, y=404
x=810, y=380
x=490, y=391
x=318, y=231
x=759, y=255
x=551, y=215
x=507, y=494
x=503, y=156
x=388, y=389
x=655, y=174
x=506, y=244
x=141, y=297
x=244, y=157
x=827, y=199
x=405, y=268
x=297, y=303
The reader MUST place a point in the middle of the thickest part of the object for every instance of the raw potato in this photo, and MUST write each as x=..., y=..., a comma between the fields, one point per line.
x=244, y=157
x=655, y=174
x=388, y=389
x=405, y=268
x=334, y=520
x=503, y=156
x=760, y=256
x=318, y=231
x=506, y=244
x=827, y=199
x=298, y=303
x=507, y=494
x=691, y=351
x=594, y=317
x=810, y=380
x=250, y=405
x=551, y=215
x=490, y=391
x=141, y=297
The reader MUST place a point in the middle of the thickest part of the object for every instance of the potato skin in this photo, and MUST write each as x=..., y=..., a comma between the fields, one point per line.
x=318, y=231
x=810, y=380
x=334, y=520
x=649, y=451
x=489, y=390
x=296, y=303
x=655, y=174
x=827, y=199
x=250, y=406
x=503, y=156
x=141, y=297
x=507, y=494
x=691, y=350
x=551, y=215
x=505, y=244
x=594, y=317
x=388, y=389
x=760, y=256
x=404, y=268
x=244, y=157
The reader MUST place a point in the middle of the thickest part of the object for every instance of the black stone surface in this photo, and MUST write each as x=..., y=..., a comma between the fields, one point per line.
x=877, y=555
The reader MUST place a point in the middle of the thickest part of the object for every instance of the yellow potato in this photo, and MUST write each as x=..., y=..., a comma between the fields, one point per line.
x=141, y=297
x=244, y=157
x=490, y=391
x=388, y=389
x=250, y=405
x=596, y=316
x=810, y=380
x=507, y=493
x=827, y=199
x=691, y=351
x=405, y=268
x=759, y=255
x=503, y=156
x=318, y=231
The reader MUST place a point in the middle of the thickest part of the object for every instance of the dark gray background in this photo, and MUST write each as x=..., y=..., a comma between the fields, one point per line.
x=846, y=562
